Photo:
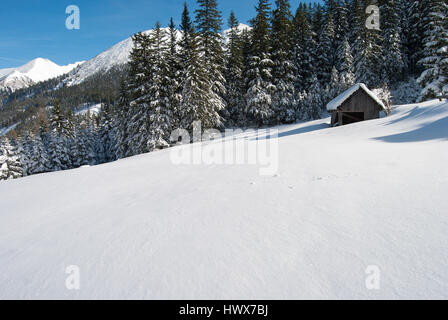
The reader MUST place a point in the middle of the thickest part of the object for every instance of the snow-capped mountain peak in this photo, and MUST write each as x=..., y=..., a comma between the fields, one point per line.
x=35, y=71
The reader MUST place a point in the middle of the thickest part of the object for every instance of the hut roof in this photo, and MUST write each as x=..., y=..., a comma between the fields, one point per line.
x=339, y=100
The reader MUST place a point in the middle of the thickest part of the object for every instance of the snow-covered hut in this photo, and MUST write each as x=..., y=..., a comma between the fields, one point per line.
x=354, y=105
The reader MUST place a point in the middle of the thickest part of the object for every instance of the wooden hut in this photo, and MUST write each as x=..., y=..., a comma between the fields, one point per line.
x=354, y=105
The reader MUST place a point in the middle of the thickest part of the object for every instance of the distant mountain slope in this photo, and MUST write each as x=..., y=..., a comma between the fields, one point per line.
x=344, y=199
x=116, y=55
x=43, y=69
x=35, y=71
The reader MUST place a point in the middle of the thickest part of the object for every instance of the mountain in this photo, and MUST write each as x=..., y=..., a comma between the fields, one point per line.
x=348, y=205
x=43, y=69
x=116, y=55
x=35, y=71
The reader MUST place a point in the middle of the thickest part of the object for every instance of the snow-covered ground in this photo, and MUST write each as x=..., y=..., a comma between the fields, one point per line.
x=344, y=199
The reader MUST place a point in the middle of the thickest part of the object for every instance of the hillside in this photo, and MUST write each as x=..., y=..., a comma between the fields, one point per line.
x=372, y=193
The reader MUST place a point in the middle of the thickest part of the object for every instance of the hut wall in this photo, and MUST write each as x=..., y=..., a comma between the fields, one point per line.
x=361, y=102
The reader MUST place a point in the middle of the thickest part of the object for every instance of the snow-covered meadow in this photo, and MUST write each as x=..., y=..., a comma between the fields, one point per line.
x=344, y=199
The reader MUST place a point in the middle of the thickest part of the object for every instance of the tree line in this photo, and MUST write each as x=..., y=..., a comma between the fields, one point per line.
x=285, y=68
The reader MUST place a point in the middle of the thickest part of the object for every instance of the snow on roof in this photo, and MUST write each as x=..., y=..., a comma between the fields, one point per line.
x=339, y=100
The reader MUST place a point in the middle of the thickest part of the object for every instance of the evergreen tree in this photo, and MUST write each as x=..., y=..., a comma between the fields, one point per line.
x=62, y=132
x=120, y=121
x=39, y=161
x=345, y=66
x=415, y=33
x=259, y=72
x=10, y=160
x=367, y=52
x=160, y=109
x=434, y=78
x=139, y=77
x=107, y=135
x=234, y=74
x=174, y=75
x=198, y=100
x=304, y=49
x=210, y=45
x=325, y=50
x=393, y=61
x=284, y=103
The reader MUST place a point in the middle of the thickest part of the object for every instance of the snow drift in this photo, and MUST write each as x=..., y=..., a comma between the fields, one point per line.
x=367, y=194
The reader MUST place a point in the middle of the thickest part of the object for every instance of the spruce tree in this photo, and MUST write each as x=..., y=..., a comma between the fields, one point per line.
x=198, y=100
x=345, y=66
x=234, y=74
x=434, y=78
x=174, y=75
x=160, y=108
x=393, y=63
x=366, y=48
x=304, y=49
x=284, y=103
x=210, y=45
x=259, y=73
x=10, y=160
x=325, y=50
x=139, y=77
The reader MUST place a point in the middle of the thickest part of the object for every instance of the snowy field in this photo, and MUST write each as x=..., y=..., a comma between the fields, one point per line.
x=344, y=199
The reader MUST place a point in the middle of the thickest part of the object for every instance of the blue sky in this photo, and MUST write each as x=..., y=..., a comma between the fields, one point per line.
x=36, y=28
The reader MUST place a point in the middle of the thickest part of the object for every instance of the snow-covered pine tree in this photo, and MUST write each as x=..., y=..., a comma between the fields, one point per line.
x=160, y=109
x=366, y=48
x=345, y=66
x=120, y=120
x=393, y=62
x=137, y=119
x=434, y=78
x=234, y=75
x=61, y=133
x=210, y=46
x=10, y=160
x=259, y=71
x=313, y=106
x=325, y=50
x=341, y=22
x=174, y=75
x=187, y=30
x=283, y=100
x=37, y=155
x=107, y=134
x=417, y=11
x=304, y=49
x=197, y=96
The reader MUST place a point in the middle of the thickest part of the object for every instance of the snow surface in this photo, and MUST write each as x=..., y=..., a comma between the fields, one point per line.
x=34, y=71
x=371, y=193
x=339, y=100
